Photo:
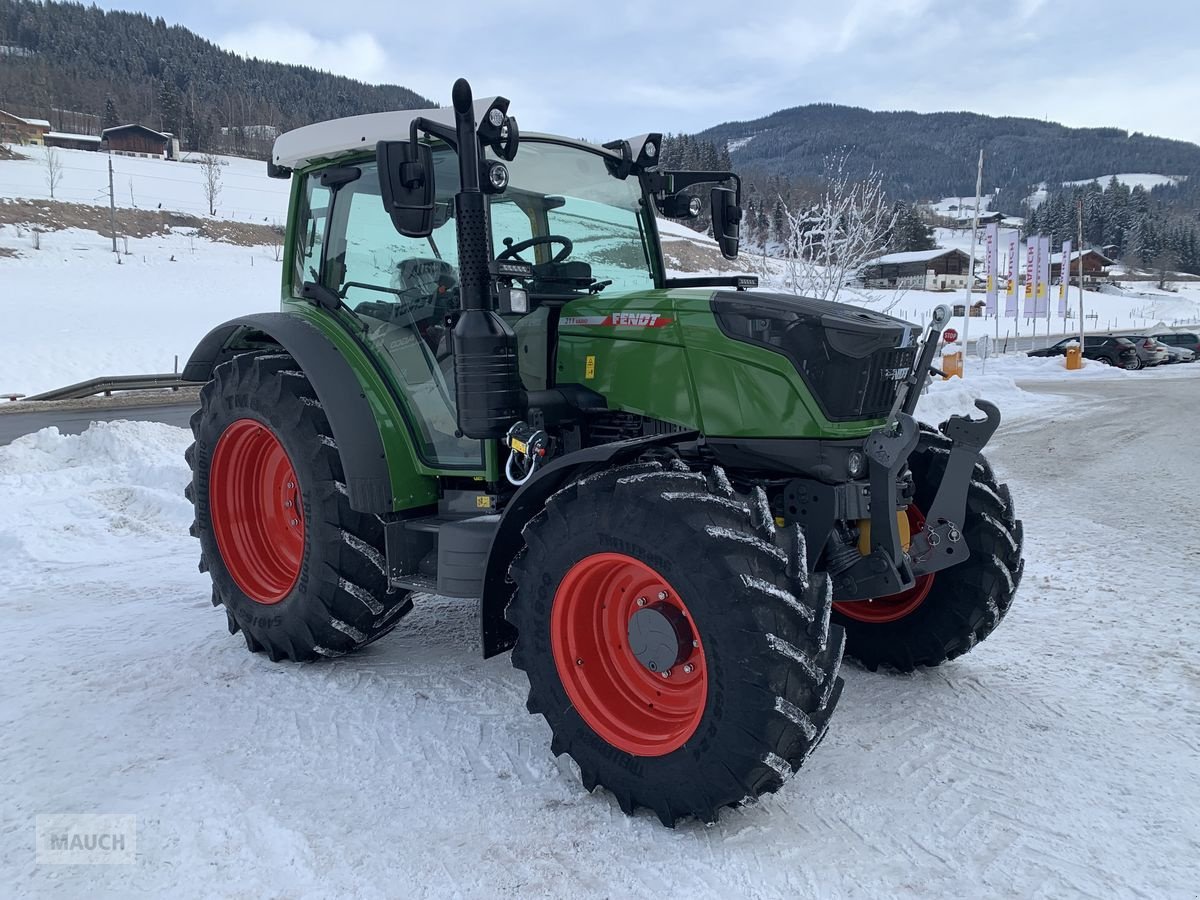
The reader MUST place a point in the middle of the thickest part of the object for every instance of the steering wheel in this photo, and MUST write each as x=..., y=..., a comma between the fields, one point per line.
x=513, y=251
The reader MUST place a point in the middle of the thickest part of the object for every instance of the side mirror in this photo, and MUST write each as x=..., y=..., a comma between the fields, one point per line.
x=726, y=220
x=406, y=184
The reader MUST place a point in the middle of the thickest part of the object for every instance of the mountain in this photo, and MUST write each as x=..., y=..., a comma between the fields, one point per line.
x=929, y=155
x=83, y=68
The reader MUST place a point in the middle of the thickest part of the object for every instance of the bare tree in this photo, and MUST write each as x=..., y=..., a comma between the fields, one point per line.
x=210, y=166
x=54, y=170
x=847, y=226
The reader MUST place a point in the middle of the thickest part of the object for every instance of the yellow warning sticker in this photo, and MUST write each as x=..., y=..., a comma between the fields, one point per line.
x=483, y=501
x=589, y=367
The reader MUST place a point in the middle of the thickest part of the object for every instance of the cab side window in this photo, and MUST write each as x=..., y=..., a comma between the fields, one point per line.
x=405, y=292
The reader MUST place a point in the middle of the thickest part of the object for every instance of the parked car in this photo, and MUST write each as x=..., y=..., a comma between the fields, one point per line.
x=1187, y=339
x=1178, y=354
x=1110, y=351
x=1148, y=351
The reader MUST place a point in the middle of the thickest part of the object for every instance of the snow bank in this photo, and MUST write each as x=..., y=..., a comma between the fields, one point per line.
x=81, y=498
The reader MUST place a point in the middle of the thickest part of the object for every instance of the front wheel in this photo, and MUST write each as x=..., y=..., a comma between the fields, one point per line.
x=674, y=657
x=300, y=573
x=945, y=613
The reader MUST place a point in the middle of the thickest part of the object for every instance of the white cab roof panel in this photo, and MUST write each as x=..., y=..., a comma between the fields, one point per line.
x=322, y=140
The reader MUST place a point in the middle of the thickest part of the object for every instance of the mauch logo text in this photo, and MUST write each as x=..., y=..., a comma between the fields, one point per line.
x=86, y=839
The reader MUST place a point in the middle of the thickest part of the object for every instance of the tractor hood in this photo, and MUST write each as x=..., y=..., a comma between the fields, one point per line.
x=852, y=359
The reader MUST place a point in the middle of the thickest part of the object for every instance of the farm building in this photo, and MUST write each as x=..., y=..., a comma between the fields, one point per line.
x=1095, y=266
x=18, y=130
x=930, y=270
x=68, y=141
x=138, y=140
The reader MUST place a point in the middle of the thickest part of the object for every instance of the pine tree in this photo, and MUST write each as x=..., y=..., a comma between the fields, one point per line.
x=110, y=118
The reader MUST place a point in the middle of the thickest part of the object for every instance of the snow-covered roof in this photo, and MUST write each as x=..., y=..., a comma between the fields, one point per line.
x=913, y=256
x=66, y=135
x=1056, y=258
x=322, y=140
x=37, y=123
x=107, y=131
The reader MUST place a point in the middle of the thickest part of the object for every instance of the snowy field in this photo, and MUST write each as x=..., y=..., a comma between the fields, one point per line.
x=246, y=194
x=1058, y=759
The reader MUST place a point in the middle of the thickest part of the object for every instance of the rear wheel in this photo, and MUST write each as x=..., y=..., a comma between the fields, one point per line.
x=300, y=573
x=946, y=613
x=672, y=639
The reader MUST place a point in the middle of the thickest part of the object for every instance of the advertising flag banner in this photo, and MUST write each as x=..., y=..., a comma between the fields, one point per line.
x=1031, y=249
x=1065, y=279
x=992, y=249
x=1043, y=286
x=1014, y=274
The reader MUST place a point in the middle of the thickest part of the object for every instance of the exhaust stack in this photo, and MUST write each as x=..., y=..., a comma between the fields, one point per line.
x=488, y=384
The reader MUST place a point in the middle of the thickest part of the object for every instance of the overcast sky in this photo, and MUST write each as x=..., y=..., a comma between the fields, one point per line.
x=604, y=70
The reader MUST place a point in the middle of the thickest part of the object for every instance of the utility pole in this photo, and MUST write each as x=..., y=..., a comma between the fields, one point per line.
x=112, y=204
x=1080, y=222
x=971, y=267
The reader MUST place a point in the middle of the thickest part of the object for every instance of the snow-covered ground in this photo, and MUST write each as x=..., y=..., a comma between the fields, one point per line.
x=1059, y=758
x=246, y=194
x=70, y=312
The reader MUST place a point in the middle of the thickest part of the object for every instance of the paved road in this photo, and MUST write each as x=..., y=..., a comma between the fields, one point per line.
x=73, y=421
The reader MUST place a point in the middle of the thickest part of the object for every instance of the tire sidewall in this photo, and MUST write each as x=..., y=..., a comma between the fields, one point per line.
x=217, y=416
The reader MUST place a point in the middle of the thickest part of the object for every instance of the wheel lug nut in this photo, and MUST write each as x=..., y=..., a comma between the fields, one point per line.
x=695, y=643
x=288, y=504
x=295, y=521
x=666, y=673
x=579, y=662
x=641, y=601
x=662, y=595
x=688, y=669
x=291, y=484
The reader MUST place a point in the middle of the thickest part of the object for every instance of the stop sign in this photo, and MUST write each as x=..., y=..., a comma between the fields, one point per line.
x=950, y=335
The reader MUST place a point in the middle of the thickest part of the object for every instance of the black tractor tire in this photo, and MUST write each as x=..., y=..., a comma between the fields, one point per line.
x=965, y=602
x=340, y=599
x=768, y=650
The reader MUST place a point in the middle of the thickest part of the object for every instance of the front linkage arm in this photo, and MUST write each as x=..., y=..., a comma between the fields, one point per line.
x=940, y=544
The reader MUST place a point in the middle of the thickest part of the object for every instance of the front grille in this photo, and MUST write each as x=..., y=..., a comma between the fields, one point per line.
x=852, y=360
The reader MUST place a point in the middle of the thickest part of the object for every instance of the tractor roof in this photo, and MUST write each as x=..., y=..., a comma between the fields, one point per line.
x=323, y=140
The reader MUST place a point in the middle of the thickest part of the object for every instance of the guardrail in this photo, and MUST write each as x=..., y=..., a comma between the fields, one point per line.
x=106, y=385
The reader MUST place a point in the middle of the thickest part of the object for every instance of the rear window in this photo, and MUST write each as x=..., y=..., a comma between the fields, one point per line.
x=1188, y=340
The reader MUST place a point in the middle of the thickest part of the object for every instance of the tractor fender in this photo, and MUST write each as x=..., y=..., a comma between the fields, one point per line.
x=354, y=427
x=498, y=634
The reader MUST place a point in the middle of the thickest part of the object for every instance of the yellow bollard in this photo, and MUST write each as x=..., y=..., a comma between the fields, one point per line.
x=1074, y=357
x=952, y=364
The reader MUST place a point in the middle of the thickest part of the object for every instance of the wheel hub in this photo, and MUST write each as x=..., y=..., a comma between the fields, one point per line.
x=257, y=516
x=659, y=637
x=628, y=654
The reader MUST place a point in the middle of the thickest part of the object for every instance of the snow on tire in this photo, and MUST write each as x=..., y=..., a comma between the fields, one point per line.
x=300, y=573
x=749, y=675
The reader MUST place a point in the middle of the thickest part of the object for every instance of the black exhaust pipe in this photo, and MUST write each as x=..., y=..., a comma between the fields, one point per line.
x=488, y=383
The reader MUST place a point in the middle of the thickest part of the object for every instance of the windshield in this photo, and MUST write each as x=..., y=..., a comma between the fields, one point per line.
x=558, y=191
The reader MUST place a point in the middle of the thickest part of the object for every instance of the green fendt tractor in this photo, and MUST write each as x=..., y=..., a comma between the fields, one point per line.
x=675, y=501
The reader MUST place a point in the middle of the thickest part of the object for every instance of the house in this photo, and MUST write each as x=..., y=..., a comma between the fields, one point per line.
x=68, y=141
x=136, y=140
x=18, y=130
x=929, y=270
x=1095, y=266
